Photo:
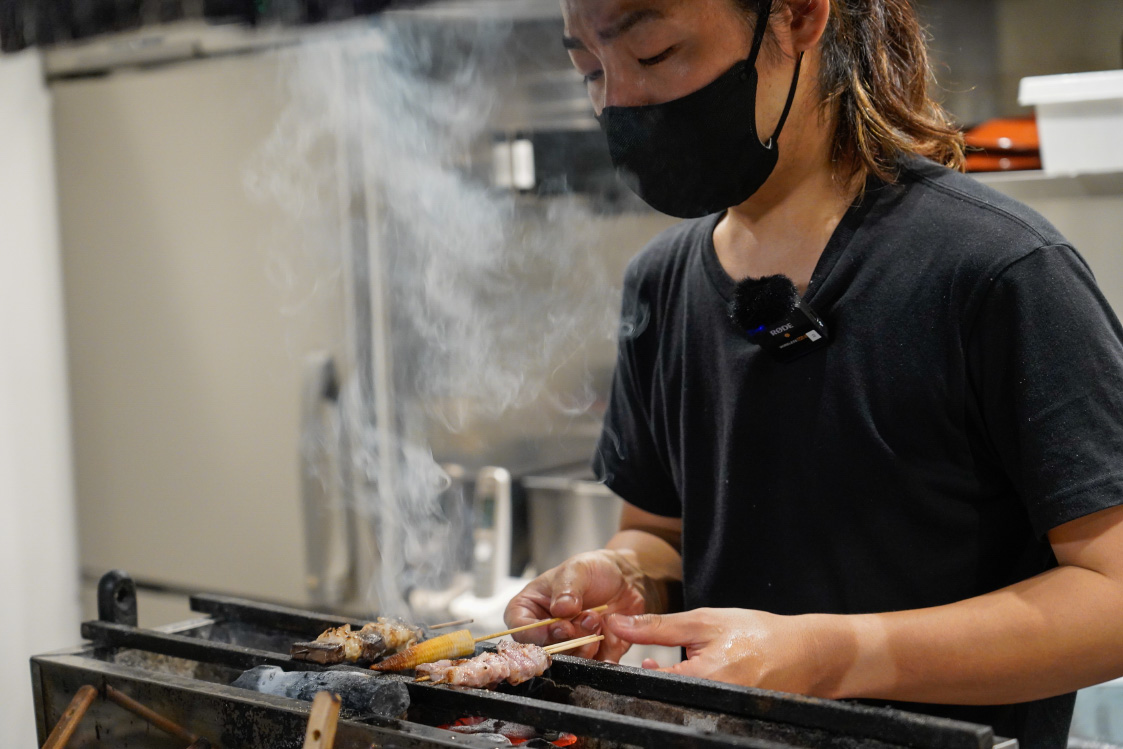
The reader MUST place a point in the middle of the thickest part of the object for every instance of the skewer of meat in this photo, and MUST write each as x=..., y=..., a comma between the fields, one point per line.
x=370, y=642
x=459, y=644
x=512, y=662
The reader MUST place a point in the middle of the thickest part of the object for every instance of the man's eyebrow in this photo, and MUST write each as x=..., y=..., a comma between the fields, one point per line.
x=617, y=29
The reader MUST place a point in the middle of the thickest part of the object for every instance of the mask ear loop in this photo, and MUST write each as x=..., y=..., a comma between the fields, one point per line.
x=758, y=42
x=788, y=105
x=758, y=32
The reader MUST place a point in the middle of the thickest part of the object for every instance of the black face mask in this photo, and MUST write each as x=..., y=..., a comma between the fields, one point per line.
x=699, y=154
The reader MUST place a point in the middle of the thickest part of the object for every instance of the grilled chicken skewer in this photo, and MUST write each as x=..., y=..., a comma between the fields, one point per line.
x=372, y=641
x=512, y=662
x=368, y=643
x=459, y=644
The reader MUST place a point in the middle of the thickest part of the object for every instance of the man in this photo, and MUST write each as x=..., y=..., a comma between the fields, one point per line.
x=924, y=511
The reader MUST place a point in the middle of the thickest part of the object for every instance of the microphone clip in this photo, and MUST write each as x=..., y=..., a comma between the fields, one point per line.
x=776, y=318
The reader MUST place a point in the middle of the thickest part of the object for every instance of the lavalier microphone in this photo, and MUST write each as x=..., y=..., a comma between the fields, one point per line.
x=775, y=317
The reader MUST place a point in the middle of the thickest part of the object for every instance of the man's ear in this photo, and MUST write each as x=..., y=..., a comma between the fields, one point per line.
x=807, y=21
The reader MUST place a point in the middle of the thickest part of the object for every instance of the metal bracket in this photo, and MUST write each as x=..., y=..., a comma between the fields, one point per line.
x=116, y=598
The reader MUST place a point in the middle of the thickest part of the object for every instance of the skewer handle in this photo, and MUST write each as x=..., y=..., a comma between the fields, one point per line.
x=446, y=625
x=68, y=723
x=149, y=715
x=561, y=647
x=322, y=721
x=525, y=627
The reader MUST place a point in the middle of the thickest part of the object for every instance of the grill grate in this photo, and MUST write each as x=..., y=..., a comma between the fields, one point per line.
x=185, y=671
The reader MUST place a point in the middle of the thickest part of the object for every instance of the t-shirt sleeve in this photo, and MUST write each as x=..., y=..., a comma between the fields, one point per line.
x=627, y=458
x=1047, y=360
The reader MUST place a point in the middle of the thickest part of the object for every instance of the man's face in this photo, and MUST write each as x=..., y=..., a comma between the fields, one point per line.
x=640, y=52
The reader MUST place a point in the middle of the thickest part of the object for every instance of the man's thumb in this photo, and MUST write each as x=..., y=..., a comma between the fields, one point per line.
x=651, y=629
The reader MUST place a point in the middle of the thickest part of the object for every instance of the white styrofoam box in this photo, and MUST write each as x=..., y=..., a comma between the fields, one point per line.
x=1080, y=120
x=1099, y=713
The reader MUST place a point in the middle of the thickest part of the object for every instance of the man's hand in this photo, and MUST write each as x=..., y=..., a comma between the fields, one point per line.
x=738, y=646
x=583, y=582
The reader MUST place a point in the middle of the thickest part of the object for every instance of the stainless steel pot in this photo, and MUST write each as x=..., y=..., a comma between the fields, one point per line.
x=569, y=512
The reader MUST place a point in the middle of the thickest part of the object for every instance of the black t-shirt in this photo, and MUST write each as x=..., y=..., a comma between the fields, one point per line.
x=970, y=400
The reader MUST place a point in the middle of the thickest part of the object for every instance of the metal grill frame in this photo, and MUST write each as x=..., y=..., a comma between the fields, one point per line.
x=223, y=713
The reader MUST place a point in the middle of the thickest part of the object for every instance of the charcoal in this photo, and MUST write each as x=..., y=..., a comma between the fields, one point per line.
x=365, y=695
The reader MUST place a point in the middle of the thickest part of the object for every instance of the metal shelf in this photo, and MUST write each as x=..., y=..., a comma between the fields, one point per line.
x=1039, y=185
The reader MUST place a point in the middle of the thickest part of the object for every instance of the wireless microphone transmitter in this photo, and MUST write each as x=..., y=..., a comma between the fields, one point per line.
x=776, y=318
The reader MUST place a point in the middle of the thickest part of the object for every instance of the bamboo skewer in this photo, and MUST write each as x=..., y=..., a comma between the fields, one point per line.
x=561, y=647
x=68, y=723
x=535, y=625
x=150, y=715
x=446, y=625
x=322, y=721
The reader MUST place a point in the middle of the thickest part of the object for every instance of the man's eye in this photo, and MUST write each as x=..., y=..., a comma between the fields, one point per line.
x=596, y=75
x=659, y=57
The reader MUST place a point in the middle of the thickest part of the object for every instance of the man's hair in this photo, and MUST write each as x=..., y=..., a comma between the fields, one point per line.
x=875, y=76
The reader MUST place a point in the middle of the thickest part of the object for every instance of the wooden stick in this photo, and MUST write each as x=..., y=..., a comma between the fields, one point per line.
x=322, y=721
x=149, y=715
x=531, y=626
x=561, y=647
x=422, y=678
x=68, y=723
x=446, y=625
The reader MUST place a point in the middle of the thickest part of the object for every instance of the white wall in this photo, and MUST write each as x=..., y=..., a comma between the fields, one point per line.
x=38, y=558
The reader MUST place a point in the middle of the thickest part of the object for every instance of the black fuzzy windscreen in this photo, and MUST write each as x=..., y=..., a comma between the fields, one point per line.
x=763, y=301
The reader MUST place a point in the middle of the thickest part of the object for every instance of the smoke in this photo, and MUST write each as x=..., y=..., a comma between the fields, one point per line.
x=465, y=303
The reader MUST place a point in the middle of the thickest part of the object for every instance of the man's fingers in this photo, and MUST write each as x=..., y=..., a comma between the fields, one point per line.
x=568, y=590
x=561, y=632
x=529, y=606
x=652, y=629
x=612, y=648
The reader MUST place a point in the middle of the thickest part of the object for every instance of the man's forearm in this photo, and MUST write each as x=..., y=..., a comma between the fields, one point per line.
x=660, y=565
x=1048, y=635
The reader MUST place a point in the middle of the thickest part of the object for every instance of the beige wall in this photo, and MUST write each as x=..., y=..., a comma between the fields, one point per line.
x=1045, y=37
x=981, y=49
x=190, y=308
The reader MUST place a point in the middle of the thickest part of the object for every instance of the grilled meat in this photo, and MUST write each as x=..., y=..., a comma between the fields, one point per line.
x=513, y=662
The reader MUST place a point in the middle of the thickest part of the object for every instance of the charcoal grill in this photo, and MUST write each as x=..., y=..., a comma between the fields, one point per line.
x=184, y=672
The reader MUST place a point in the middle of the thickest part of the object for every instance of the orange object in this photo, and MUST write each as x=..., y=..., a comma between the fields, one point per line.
x=1005, y=135
x=986, y=162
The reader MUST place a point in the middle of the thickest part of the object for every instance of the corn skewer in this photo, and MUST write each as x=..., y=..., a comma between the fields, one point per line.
x=459, y=644
x=554, y=649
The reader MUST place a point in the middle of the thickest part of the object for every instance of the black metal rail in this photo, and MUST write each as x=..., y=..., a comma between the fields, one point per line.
x=273, y=616
x=881, y=724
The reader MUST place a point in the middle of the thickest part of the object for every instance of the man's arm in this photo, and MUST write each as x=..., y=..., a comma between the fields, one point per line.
x=1051, y=634
x=653, y=543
